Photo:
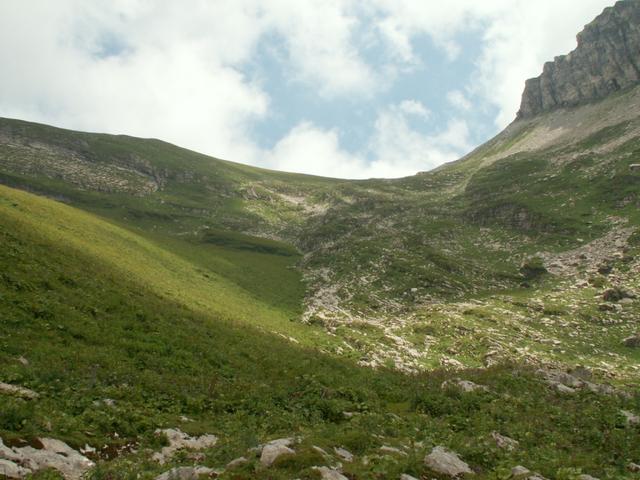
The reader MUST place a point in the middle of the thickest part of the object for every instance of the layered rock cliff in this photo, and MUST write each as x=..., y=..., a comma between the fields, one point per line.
x=606, y=59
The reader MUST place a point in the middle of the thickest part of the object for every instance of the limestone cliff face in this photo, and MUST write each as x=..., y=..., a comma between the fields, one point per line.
x=606, y=59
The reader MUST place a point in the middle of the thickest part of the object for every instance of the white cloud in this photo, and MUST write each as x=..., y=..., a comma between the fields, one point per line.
x=414, y=107
x=320, y=39
x=458, y=100
x=176, y=81
x=519, y=36
x=395, y=149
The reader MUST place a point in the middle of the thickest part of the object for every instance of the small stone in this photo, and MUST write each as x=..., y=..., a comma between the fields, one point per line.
x=630, y=418
x=394, y=450
x=87, y=449
x=464, y=385
x=404, y=476
x=236, y=462
x=185, y=473
x=564, y=389
x=519, y=470
x=345, y=455
x=321, y=451
x=179, y=440
x=451, y=363
x=443, y=461
x=504, y=442
x=633, y=467
x=632, y=342
x=275, y=449
x=327, y=473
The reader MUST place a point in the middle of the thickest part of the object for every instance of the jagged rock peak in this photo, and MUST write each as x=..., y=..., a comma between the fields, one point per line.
x=606, y=59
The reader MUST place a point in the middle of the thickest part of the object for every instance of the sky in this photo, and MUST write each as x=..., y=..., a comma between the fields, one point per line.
x=340, y=88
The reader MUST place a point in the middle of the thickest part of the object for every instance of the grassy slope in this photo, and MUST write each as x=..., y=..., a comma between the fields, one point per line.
x=102, y=313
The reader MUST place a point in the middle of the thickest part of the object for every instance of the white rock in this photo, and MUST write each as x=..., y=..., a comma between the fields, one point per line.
x=519, y=470
x=185, y=473
x=321, y=451
x=7, y=453
x=388, y=449
x=344, y=454
x=17, y=391
x=329, y=474
x=236, y=462
x=502, y=441
x=443, y=461
x=452, y=363
x=464, y=385
x=404, y=476
x=54, y=454
x=272, y=451
x=179, y=440
x=630, y=418
x=87, y=449
x=287, y=442
x=11, y=470
x=564, y=389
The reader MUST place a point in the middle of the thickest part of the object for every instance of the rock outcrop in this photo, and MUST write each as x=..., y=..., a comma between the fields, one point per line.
x=17, y=391
x=19, y=462
x=606, y=59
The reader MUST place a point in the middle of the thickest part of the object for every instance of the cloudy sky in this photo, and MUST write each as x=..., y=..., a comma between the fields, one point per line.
x=343, y=88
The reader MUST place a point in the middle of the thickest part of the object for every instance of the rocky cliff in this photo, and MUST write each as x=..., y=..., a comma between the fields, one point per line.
x=606, y=59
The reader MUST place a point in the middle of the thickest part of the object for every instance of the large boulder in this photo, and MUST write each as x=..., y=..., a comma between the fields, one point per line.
x=443, y=461
x=51, y=453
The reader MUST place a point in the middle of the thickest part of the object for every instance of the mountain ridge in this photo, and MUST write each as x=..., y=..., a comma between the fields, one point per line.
x=607, y=59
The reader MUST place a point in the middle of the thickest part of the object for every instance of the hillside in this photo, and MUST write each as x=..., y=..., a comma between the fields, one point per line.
x=145, y=286
x=113, y=355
